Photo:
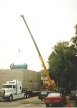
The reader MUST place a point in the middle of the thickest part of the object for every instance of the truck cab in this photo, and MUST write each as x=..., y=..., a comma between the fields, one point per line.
x=11, y=89
x=14, y=86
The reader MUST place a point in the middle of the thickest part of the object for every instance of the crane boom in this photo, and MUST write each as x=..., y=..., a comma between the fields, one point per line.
x=42, y=61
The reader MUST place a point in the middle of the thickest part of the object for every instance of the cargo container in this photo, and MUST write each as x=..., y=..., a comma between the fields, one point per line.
x=30, y=80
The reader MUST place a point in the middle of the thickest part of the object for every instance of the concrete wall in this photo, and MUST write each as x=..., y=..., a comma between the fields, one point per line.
x=37, y=80
x=30, y=79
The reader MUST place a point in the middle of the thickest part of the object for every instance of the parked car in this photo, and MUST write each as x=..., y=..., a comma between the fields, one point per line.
x=76, y=99
x=43, y=94
x=72, y=95
x=55, y=98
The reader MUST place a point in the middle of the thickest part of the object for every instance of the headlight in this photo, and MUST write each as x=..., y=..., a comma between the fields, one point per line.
x=7, y=92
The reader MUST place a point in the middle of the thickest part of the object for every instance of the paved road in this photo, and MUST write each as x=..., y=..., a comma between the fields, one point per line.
x=29, y=102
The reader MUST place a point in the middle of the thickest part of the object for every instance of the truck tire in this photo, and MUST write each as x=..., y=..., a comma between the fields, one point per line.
x=10, y=98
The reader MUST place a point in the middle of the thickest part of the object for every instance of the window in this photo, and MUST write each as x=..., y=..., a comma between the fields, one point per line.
x=54, y=95
x=14, y=86
x=44, y=92
x=7, y=86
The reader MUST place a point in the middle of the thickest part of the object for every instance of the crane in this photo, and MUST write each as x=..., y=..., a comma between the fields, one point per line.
x=51, y=85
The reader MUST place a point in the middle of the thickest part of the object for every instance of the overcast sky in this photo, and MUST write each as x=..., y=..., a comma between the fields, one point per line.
x=49, y=22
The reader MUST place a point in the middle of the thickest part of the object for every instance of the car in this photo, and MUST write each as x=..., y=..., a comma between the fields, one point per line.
x=43, y=94
x=76, y=99
x=55, y=98
x=72, y=95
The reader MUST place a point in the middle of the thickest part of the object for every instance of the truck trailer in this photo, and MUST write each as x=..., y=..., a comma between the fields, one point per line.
x=27, y=81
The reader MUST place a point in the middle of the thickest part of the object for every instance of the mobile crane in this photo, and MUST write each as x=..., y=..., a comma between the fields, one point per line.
x=51, y=85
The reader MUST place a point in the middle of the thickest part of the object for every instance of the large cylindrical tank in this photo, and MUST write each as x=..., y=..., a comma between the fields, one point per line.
x=17, y=66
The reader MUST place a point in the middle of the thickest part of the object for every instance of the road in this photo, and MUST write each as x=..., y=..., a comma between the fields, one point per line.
x=29, y=102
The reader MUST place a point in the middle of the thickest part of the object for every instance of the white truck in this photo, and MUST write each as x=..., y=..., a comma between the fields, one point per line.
x=19, y=83
x=12, y=90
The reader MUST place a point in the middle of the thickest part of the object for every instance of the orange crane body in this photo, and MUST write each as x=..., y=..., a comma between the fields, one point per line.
x=51, y=85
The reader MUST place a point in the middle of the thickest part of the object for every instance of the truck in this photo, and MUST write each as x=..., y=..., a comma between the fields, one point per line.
x=19, y=83
x=51, y=84
x=12, y=90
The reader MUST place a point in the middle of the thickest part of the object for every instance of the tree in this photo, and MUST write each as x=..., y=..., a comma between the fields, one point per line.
x=42, y=73
x=62, y=64
x=74, y=45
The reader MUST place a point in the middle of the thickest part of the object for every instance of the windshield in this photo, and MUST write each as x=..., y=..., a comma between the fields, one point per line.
x=44, y=92
x=54, y=95
x=73, y=93
x=7, y=86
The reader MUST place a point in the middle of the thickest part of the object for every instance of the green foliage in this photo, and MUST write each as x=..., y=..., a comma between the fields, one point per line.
x=74, y=40
x=42, y=73
x=63, y=63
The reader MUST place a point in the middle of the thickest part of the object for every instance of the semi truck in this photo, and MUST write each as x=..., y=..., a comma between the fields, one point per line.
x=12, y=90
x=19, y=83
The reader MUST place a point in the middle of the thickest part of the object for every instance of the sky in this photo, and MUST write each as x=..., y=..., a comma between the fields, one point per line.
x=50, y=21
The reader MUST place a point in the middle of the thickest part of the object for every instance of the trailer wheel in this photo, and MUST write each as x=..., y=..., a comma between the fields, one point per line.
x=10, y=98
x=1, y=99
x=41, y=99
x=27, y=95
x=24, y=96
